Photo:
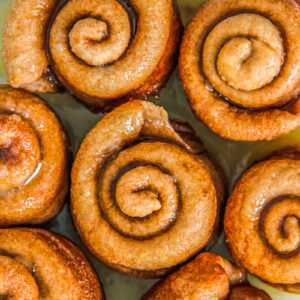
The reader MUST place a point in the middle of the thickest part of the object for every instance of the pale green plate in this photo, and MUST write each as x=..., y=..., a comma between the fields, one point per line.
x=234, y=157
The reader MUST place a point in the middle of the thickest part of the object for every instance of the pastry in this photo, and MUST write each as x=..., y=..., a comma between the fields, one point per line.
x=103, y=51
x=262, y=220
x=239, y=63
x=143, y=198
x=37, y=264
x=208, y=277
x=34, y=168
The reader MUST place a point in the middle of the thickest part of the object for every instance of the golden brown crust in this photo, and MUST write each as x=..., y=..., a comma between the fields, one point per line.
x=208, y=277
x=166, y=65
x=49, y=266
x=126, y=193
x=113, y=50
x=262, y=219
x=187, y=133
x=34, y=170
x=238, y=63
x=138, y=72
x=248, y=293
x=24, y=46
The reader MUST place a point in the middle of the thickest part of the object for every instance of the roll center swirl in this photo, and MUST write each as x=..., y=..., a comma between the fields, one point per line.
x=16, y=280
x=248, y=59
x=138, y=194
x=280, y=225
x=103, y=36
x=242, y=54
x=19, y=151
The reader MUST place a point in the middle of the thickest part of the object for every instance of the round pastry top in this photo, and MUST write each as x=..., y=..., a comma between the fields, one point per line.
x=33, y=168
x=262, y=220
x=137, y=184
x=37, y=264
x=239, y=65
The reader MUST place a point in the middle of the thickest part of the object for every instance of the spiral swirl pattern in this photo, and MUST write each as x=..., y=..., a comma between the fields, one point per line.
x=20, y=151
x=285, y=238
x=262, y=220
x=208, y=277
x=33, y=169
x=103, y=51
x=239, y=66
x=137, y=211
x=36, y=264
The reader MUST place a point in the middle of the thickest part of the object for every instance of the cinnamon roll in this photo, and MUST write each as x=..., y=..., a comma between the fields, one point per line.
x=33, y=159
x=239, y=66
x=143, y=198
x=262, y=219
x=37, y=264
x=103, y=51
x=209, y=277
